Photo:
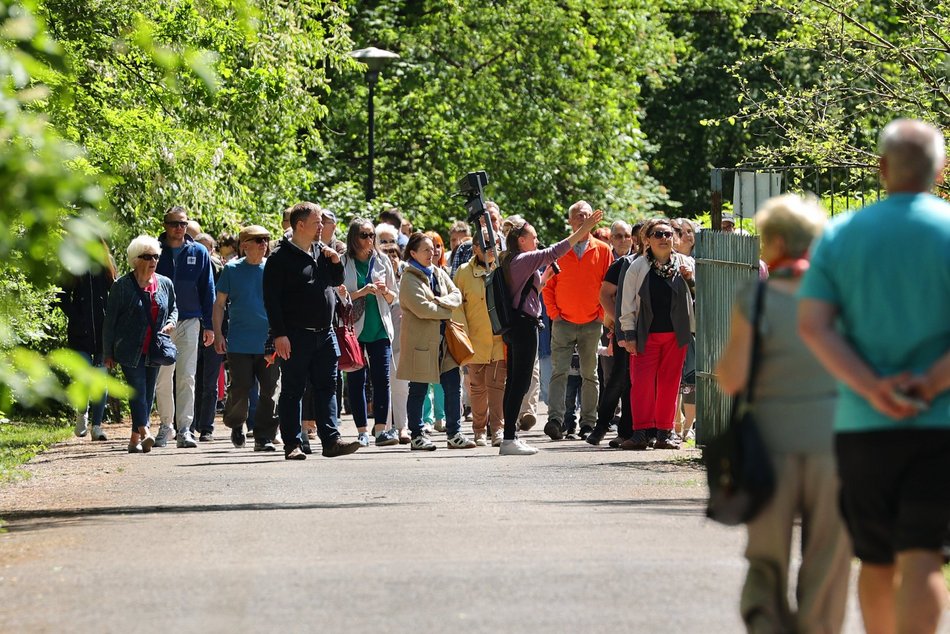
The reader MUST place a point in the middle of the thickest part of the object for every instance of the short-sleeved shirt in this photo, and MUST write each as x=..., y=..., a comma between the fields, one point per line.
x=613, y=273
x=243, y=283
x=887, y=270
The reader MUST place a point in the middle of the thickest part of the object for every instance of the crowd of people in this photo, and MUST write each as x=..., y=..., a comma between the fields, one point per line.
x=255, y=319
x=604, y=333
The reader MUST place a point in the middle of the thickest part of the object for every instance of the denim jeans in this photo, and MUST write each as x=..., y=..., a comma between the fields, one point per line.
x=451, y=382
x=379, y=355
x=141, y=379
x=572, y=402
x=95, y=409
x=206, y=387
x=313, y=357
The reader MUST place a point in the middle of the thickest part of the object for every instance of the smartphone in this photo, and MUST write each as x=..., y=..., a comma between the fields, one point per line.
x=906, y=399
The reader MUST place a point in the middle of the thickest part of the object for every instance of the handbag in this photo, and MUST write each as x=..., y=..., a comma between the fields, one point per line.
x=161, y=349
x=739, y=472
x=458, y=342
x=351, y=352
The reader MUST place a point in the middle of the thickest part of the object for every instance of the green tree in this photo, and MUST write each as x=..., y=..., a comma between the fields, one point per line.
x=545, y=95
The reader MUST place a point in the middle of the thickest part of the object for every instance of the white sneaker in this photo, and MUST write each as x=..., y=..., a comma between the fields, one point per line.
x=460, y=441
x=481, y=439
x=165, y=433
x=422, y=443
x=81, y=427
x=186, y=440
x=497, y=438
x=97, y=433
x=516, y=447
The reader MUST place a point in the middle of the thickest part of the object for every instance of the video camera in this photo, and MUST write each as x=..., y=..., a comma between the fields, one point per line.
x=471, y=188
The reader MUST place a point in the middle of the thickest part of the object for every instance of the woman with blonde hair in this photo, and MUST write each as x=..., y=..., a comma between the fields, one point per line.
x=793, y=405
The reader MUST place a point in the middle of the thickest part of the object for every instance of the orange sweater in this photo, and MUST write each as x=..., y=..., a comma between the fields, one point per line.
x=574, y=293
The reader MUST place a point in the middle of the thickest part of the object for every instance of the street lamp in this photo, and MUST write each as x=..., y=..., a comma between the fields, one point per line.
x=375, y=59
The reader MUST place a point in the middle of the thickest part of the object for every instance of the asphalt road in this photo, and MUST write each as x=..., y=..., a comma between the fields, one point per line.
x=215, y=539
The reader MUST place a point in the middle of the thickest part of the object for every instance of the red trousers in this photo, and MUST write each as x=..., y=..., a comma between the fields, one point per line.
x=655, y=377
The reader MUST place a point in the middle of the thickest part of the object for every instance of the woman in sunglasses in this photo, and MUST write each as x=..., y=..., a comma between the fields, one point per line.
x=656, y=316
x=371, y=283
x=139, y=302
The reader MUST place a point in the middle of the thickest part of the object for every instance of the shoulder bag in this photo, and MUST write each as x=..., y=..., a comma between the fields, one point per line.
x=458, y=342
x=351, y=352
x=738, y=468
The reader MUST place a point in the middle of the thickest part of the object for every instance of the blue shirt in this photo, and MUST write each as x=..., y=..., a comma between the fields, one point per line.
x=247, y=320
x=887, y=270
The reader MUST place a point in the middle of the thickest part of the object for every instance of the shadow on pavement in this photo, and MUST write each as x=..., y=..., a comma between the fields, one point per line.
x=15, y=521
x=665, y=506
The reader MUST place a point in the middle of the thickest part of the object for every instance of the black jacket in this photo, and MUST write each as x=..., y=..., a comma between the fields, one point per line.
x=298, y=289
x=83, y=301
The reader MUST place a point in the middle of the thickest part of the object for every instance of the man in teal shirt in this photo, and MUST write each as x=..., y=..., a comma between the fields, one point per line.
x=875, y=311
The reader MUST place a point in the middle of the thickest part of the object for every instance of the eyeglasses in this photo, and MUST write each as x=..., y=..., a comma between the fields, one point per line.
x=258, y=240
x=621, y=236
x=366, y=235
x=662, y=234
x=387, y=241
x=180, y=224
x=150, y=257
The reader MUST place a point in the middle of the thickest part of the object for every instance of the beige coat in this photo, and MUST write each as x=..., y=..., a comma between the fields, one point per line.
x=470, y=279
x=420, y=340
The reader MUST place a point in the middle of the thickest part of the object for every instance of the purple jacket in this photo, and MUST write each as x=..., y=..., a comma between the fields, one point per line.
x=524, y=269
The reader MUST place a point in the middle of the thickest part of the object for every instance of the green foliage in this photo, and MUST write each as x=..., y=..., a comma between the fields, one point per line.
x=840, y=70
x=544, y=95
x=19, y=442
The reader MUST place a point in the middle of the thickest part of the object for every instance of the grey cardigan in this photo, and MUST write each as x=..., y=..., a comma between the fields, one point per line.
x=123, y=331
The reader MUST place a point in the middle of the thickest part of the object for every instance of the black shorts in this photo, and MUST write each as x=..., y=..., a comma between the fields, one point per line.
x=895, y=491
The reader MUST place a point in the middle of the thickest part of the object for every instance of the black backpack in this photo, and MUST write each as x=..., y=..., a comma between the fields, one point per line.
x=500, y=312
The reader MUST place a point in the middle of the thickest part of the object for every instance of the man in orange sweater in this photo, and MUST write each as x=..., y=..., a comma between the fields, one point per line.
x=572, y=299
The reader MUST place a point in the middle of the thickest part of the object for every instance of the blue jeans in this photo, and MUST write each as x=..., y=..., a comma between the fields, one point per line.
x=141, y=379
x=206, y=388
x=451, y=382
x=313, y=357
x=379, y=353
x=95, y=409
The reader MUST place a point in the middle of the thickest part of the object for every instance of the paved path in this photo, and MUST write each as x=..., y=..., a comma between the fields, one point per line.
x=215, y=539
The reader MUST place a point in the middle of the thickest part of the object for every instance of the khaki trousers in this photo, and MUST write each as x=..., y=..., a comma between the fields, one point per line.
x=488, y=395
x=806, y=486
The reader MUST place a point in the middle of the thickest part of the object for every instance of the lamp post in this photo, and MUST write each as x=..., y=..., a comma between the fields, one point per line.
x=375, y=59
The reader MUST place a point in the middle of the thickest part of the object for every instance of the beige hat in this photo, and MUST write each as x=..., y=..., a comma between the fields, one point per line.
x=253, y=231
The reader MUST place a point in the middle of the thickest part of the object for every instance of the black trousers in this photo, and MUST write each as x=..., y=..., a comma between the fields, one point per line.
x=522, y=341
x=617, y=389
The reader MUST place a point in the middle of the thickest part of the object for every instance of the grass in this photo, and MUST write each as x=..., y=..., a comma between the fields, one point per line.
x=19, y=442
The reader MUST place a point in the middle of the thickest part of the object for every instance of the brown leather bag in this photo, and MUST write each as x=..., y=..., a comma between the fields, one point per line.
x=458, y=342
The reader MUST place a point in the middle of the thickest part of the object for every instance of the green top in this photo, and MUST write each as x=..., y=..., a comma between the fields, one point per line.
x=373, y=329
x=886, y=269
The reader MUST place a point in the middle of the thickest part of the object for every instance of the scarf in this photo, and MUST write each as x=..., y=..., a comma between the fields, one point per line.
x=430, y=273
x=788, y=268
x=666, y=271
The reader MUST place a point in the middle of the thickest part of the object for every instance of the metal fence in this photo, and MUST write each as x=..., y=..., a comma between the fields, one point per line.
x=839, y=187
x=724, y=262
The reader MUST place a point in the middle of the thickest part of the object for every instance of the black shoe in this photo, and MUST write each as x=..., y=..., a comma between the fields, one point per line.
x=553, y=430
x=637, y=442
x=596, y=435
x=237, y=437
x=206, y=436
x=585, y=431
x=340, y=448
x=305, y=447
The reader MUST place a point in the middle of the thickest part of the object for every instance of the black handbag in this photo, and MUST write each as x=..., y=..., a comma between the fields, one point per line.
x=738, y=468
x=161, y=349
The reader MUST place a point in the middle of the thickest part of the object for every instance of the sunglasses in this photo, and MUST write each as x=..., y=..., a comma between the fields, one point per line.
x=366, y=236
x=258, y=240
x=151, y=257
x=387, y=241
x=181, y=224
x=662, y=234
